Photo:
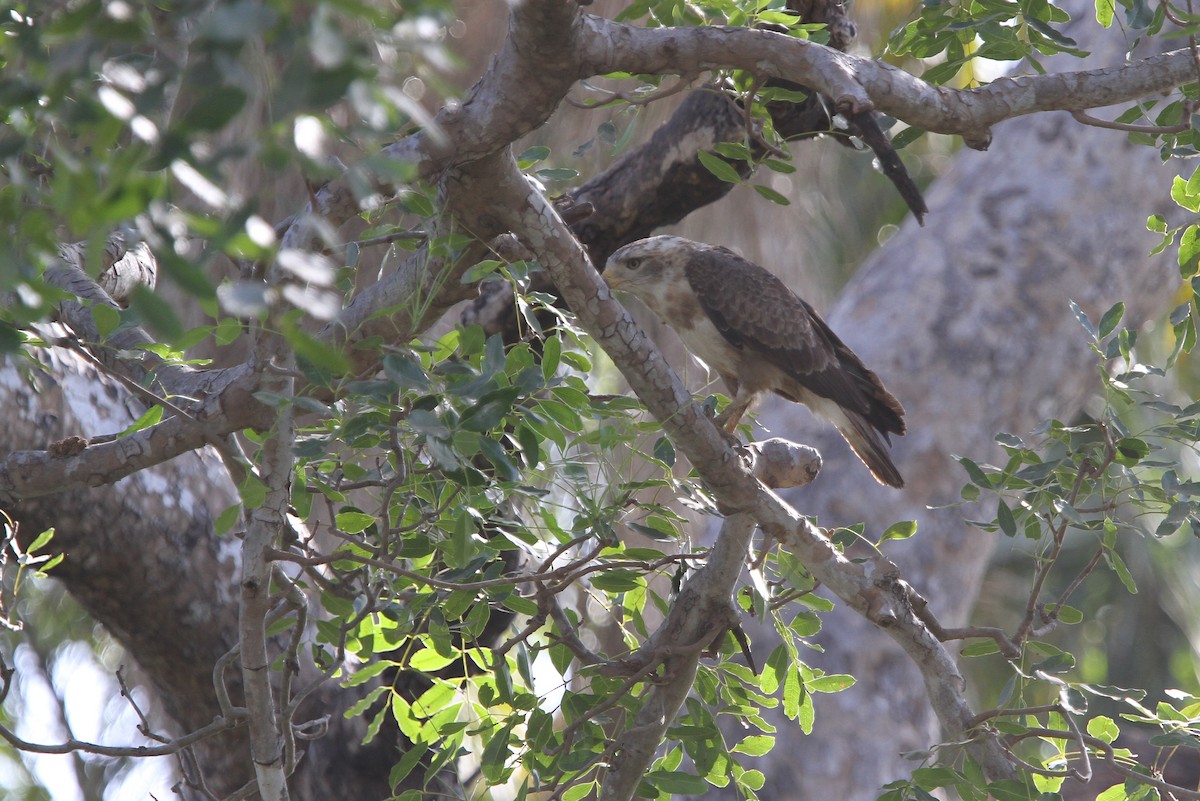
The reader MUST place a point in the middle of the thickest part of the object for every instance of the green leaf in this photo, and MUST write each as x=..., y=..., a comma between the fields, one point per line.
x=480, y=271
x=493, y=763
x=40, y=541
x=562, y=414
x=428, y=660
x=1193, y=183
x=900, y=530
x=212, y=108
x=771, y=195
x=806, y=715
x=779, y=17
x=974, y=472
x=406, y=372
x=793, y=690
x=1103, y=728
x=755, y=745
x=833, y=683
x=252, y=491
x=409, y=760
x=733, y=150
x=981, y=648
x=314, y=352
x=106, y=318
x=1131, y=450
x=490, y=410
x=617, y=581
x=1110, y=319
x=1122, y=570
x=1010, y=790
x=664, y=451
x=1189, y=251
x=720, y=168
x=1104, y=12
x=1066, y=614
x=532, y=156
x=778, y=93
x=1082, y=317
x=149, y=417
x=907, y=137
x=226, y=519
x=557, y=174
x=579, y=791
x=551, y=353
x=677, y=783
x=353, y=522
x=1004, y=517
x=1180, y=194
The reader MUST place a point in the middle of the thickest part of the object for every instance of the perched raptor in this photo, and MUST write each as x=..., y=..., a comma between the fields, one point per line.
x=759, y=336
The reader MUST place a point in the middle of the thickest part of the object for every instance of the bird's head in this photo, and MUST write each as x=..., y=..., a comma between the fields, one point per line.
x=647, y=267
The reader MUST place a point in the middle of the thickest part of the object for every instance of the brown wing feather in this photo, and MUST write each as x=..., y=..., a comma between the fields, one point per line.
x=754, y=309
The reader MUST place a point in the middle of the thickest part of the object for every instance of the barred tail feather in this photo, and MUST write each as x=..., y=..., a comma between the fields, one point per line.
x=868, y=444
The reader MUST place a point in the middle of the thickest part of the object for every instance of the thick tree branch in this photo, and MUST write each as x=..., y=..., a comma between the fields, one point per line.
x=702, y=610
x=859, y=84
x=31, y=474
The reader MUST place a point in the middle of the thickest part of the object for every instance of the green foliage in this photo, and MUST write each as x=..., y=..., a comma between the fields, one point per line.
x=466, y=454
x=999, y=30
x=107, y=129
x=1086, y=486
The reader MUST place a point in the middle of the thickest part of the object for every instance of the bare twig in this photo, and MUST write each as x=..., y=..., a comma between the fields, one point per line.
x=1096, y=122
x=684, y=81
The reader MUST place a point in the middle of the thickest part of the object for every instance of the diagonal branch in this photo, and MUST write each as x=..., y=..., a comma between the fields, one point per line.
x=872, y=588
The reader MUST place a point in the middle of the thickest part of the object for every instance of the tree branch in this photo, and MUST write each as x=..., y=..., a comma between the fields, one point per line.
x=872, y=588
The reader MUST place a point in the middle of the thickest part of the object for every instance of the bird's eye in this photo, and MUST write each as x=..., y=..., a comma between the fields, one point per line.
x=633, y=264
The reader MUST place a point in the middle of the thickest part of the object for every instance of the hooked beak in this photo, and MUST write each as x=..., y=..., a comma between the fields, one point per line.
x=613, y=281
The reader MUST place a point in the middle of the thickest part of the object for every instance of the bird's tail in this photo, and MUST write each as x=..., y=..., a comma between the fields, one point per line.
x=868, y=443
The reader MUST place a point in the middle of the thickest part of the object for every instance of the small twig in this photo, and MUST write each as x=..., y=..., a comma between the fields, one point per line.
x=1059, y=534
x=387, y=239
x=685, y=80
x=72, y=745
x=295, y=600
x=144, y=726
x=748, y=120
x=560, y=550
x=1007, y=647
x=219, y=687
x=1110, y=757
x=72, y=343
x=1074, y=585
x=983, y=717
x=1130, y=127
x=567, y=634
x=193, y=777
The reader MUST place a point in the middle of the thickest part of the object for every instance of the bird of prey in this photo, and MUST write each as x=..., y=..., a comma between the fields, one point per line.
x=759, y=336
